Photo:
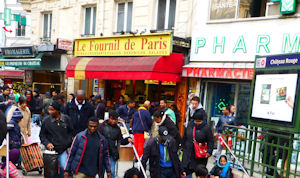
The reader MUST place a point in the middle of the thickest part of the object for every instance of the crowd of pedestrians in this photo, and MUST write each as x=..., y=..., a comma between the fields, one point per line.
x=87, y=145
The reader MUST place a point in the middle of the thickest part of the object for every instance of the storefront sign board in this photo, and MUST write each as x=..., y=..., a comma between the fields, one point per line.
x=21, y=52
x=159, y=44
x=226, y=73
x=21, y=63
x=64, y=44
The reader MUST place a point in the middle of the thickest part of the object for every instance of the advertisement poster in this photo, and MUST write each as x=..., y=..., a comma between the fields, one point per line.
x=274, y=97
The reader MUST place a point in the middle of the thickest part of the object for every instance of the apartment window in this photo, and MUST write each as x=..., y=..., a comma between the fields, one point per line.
x=47, y=25
x=234, y=9
x=90, y=21
x=165, y=14
x=124, y=16
x=20, y=30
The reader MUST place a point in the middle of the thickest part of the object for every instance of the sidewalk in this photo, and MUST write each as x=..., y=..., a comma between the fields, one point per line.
x=122, y=167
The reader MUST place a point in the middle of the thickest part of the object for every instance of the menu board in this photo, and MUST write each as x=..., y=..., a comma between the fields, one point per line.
x=274, y=97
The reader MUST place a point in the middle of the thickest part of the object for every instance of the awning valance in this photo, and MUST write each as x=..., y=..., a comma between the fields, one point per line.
x=19, y=74
x=163, y=68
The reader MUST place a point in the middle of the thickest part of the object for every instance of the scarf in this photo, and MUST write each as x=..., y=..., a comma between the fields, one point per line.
x=225, y=168
x=166, y=152
x=200, y=126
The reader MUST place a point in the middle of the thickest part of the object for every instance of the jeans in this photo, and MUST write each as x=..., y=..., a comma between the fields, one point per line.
x=167, y=172
x=62, y=160
x=113, y=168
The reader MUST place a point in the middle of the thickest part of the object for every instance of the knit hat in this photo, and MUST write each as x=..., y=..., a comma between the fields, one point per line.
x=36, y=90
x=17, y=115
x=56, y=105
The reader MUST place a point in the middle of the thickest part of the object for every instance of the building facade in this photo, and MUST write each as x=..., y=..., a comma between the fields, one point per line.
x=225, y=41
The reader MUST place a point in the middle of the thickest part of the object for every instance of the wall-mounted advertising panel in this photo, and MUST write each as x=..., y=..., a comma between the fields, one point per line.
x=275, y=93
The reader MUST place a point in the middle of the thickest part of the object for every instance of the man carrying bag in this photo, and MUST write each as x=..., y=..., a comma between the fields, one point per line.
x=56, y=135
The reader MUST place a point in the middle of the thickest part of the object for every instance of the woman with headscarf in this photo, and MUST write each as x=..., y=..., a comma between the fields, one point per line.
x=200, y=132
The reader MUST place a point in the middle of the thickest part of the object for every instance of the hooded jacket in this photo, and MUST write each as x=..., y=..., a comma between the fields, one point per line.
x=14, y=133
x=125, y=112
x=25, y=122
x=152, y=152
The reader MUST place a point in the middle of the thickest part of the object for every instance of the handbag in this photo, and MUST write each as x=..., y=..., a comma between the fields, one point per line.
x=50, y=159
x=146, y=134
x=200, y=148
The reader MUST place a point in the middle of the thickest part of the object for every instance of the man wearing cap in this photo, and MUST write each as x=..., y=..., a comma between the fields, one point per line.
x=57, y=133
x=162, y=154
x=4, y=98
x=100, y=109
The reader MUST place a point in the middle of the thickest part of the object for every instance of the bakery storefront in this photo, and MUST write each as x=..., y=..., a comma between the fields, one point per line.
x=137, y=66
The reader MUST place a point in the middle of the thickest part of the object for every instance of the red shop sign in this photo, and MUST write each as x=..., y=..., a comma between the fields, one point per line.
x=228, y=73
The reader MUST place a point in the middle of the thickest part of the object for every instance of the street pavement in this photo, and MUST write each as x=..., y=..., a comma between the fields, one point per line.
x=122, y=167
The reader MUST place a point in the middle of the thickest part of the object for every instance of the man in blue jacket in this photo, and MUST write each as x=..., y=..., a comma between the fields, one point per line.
x=126, y=111
x=89, y=153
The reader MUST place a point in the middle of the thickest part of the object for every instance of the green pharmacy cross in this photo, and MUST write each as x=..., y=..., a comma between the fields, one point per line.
x=220, y=105
x=287, y=6
x=7, y=16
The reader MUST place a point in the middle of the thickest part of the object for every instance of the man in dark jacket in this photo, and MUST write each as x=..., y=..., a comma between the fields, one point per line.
x=89, y=153
x=112, y=132
x=36, y=115
x=100, y=108
x=57, y=133
x=3, y=127
x=126, y=112
x=4, y=98
x=163, y=119
x=79, y=110
x=162, y=154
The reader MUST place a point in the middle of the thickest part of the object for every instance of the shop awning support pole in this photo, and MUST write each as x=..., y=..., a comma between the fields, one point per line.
x=136, y=153
x=7, y=154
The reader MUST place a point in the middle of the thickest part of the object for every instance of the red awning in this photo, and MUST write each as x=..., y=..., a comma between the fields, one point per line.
x=163, y=68
x=12, y=74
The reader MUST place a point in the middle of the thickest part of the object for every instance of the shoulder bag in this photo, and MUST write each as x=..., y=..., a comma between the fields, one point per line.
x=200, y=148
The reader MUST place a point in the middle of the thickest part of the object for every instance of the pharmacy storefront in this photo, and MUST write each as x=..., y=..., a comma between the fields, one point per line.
x=221, y=65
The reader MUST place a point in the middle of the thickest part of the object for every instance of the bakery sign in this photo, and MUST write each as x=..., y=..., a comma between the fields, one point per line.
x=226, y=73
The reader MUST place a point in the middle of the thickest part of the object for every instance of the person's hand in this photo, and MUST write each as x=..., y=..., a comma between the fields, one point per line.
x=122, y=120
x=66, y=175
x=183, y=175
x=211, y=176
x=207, y=155
x=130, y=140
x=50, y=146
x=108, y=175
x=9, y=101
x=289, y=101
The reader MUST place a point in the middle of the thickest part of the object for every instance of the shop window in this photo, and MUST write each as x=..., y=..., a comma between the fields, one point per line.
x=234, y=9
x=47, y=26
x=124, y=16
x=165, y=14
x=20, y=30
x=90, y=21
